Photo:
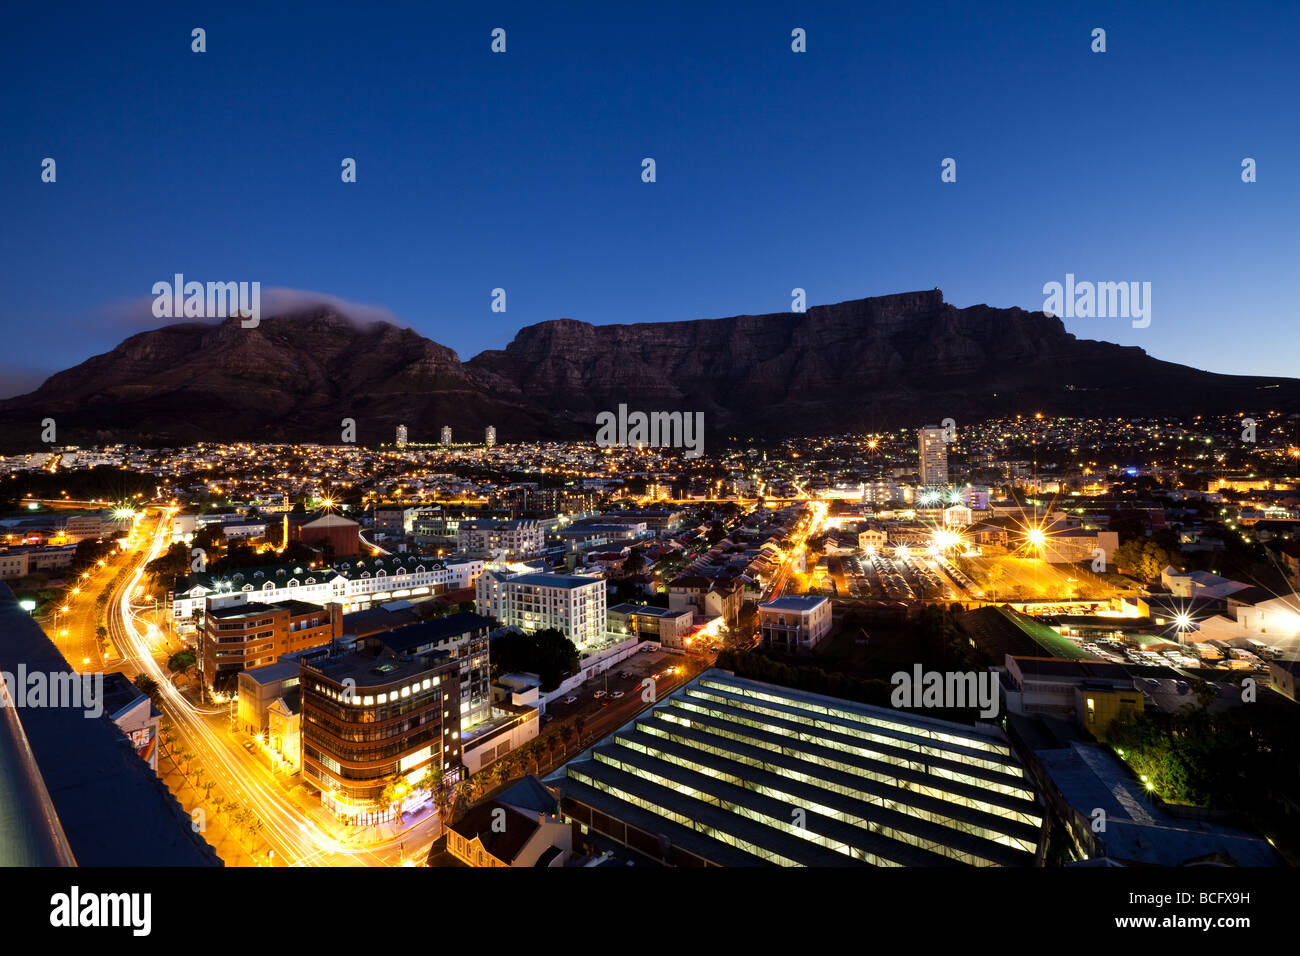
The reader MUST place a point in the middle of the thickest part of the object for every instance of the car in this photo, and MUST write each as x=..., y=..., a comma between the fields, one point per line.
x=547, y=718
x=571, y=699
x=617, y=694
x=599, y=694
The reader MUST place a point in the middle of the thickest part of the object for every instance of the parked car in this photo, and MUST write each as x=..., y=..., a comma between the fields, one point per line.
x=599, y=694
x=547, y=718
x=571, y=699
x=617, y=694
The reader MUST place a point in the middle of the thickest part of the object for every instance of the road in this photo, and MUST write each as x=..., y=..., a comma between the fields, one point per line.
x=817, y=515
x=298, y=835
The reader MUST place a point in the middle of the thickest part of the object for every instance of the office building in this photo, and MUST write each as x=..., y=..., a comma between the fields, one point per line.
x=371, y=716
x=239, y=633
x=490, y=436
x=401, y=436
x=445, y=438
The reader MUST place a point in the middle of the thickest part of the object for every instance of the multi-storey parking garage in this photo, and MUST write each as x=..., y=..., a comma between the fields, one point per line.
x=733, y=772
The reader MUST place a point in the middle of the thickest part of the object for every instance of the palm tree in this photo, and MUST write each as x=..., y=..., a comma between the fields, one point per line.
x=535, y=750
x=442, y=804
x=462, y=793
x=567, y=733
x=255, y=828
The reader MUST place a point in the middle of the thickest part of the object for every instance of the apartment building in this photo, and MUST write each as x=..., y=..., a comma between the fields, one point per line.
x=573, y=603
x=355, y=583
x=933, y=450
x=510, y=539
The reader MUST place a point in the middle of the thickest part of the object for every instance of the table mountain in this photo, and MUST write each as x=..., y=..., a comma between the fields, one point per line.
x=903, y=359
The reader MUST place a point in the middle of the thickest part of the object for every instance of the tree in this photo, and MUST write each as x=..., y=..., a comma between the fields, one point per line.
x=432, y=778
x=634, y=564
x=462, y=794
x=547, y=653
x=392, y=795
x=149, y=687
x=176, y=560
x=181, y=661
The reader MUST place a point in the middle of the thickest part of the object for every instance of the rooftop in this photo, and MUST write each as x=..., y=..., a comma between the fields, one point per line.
x=715, y=768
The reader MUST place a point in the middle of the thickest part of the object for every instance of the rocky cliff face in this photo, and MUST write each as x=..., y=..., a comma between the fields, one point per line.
x=864, y=364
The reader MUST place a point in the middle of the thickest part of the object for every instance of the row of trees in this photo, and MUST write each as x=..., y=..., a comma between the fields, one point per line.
x=243, y=822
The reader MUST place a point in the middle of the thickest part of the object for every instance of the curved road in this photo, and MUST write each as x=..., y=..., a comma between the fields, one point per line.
x=297, y=837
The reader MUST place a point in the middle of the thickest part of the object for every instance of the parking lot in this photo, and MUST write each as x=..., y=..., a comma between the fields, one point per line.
x=603, y=690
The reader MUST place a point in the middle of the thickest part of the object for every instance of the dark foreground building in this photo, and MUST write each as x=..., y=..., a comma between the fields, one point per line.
x=73, y=789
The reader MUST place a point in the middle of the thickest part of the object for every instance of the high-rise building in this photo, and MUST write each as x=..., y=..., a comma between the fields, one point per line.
x=446, y=434
x=490, y=436
x=934, y=455
x=401, y=436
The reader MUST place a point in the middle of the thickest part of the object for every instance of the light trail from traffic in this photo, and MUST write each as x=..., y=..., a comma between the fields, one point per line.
x=294, y=836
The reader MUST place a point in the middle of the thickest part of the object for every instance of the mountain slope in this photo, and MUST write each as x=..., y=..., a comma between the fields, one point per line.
x=867, y=363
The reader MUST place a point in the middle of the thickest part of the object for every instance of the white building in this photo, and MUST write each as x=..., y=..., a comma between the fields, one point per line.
x=401, y=436
x=354, y=583
x=573, y=603
x=490, y=436
x=446, y=434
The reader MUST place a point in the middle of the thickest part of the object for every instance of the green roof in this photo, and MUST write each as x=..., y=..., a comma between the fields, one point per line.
x=1053, y=644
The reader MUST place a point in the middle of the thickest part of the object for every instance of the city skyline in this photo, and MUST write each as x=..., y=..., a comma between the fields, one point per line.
x=822, y=437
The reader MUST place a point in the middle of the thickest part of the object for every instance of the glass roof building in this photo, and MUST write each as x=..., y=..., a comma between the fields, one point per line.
x=728, y=771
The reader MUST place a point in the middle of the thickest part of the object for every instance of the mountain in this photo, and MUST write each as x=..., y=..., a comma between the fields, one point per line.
x=903, y=359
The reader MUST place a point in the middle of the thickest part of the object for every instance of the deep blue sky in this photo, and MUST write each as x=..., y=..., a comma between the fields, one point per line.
x=775, y=169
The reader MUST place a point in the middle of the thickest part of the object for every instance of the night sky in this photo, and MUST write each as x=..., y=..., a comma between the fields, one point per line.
x=775, y=169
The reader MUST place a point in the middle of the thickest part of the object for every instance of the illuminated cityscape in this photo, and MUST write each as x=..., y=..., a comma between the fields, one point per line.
x=764, y=441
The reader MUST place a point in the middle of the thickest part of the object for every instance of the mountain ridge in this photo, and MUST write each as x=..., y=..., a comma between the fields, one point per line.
x=870, y=363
